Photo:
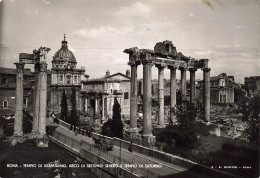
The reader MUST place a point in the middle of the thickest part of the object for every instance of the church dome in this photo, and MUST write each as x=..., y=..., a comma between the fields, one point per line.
x=64, y=52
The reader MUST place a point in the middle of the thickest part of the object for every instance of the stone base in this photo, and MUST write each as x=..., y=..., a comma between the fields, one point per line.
x=150, y=139
x=133, y=130
x=42, y=141
x=17, y=139
x=160, y=126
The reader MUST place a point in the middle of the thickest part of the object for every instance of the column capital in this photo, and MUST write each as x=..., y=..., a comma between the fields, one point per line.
x=183, y=68
x=147, y=61
x=19, y=67
x=206, y=69
x=172, y=67
x=192, y=69
x=161, y=65
x=43, y=67
x=133, y=63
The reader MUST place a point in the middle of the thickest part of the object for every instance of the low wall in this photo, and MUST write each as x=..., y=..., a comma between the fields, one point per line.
x=201, y=169
x=77, y=148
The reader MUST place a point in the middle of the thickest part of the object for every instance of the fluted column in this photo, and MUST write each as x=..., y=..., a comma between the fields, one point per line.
x=133, y=98
x=37, y=84
x=206, y=93
x=18, y=121
x=43, y=98
x=183, y=81
x=103, y=107
x=192, y=85
x=161, y=94
x=173, y=93
x=147, y=98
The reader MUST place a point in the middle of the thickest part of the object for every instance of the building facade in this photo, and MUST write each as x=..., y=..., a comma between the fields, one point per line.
x=98, y=95
x=7, y=90
x=64, y=76
x=252, y=85
x=221, y=89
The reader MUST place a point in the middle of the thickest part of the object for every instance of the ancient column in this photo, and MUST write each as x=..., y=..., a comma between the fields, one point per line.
x=86, y=105
x=35, y=128
x=43, y=98
x=103, y=107
x=96, y=105
x=147, y=97
x=206, y=93
x=183, y=81
x=133, y=98
x=18, y=121
x=161, y=94
x=192, y=85
x=173, y=93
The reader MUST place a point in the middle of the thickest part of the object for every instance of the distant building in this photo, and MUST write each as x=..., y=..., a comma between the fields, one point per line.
x=98, y=97
x=252, y=85
x=7, y=90
x=221, y=89
x=64, y=76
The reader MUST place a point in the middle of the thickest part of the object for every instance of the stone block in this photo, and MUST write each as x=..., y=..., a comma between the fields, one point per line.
x=42, y=142
x=17, y=139
x=165, y=48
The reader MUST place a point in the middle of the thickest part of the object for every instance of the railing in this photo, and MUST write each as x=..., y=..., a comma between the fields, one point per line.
x=162, y=156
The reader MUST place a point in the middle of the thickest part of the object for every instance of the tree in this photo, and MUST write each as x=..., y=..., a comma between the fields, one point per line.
x=64, y=107
x=114, y=127
x=73, y=119
x=188, y=128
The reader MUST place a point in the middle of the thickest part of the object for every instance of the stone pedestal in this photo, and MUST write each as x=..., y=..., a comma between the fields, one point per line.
x=18, y=121
x=42, y=141
x=17, y=139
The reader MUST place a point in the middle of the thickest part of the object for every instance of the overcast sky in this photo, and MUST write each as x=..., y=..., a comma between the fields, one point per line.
x=227, y=32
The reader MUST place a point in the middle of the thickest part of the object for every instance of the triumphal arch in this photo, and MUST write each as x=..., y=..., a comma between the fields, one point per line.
x=164, y=56
x=38, y=58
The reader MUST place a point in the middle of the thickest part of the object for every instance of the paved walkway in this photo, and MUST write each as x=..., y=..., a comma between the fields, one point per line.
x=167, y=169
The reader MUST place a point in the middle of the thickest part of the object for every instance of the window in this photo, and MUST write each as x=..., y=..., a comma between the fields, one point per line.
x=61, y=78
x=75, y=79
x=5, y=103
x=68, y=79
x=126, y=95
x=25, y=102
x=5, y=80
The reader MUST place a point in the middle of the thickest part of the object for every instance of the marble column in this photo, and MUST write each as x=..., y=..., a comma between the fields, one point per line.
x=206, y=93
x=103, y=107
x=86, y=104
x=133, y=98
x=161, y=94
x=37, y=84
x=173, y=93
x=18, y=121
x=183, y=81
x=192, y=85
x=43, y=98
x=147, y=98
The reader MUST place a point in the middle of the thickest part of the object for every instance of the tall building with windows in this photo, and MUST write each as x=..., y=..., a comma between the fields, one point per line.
x=7, y=90
x=64, y=76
